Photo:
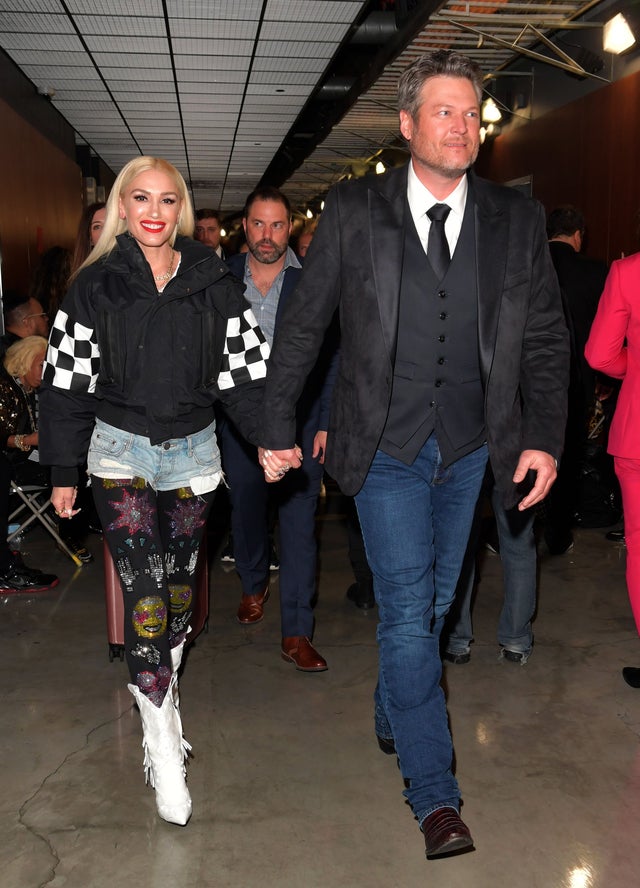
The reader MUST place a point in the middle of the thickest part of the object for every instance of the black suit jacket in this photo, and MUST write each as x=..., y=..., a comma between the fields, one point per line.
x=582, y=281
x=354, y=263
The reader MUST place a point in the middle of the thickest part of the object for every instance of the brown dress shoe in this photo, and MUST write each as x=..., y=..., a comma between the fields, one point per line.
x=251, y=608
x=445, y=832
x=299, y=650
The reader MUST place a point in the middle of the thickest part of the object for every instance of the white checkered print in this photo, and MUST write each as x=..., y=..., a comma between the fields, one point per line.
x=245, y=352
x=73, y=359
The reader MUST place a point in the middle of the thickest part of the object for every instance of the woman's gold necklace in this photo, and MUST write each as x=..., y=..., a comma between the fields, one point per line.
x=161, y=278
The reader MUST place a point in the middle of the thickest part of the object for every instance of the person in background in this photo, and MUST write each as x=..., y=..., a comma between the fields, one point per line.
x=613, y=347
x=270, y=271
x=581, y=282
x=208, y=230
x=304, y=239
x=453, y=348
x=23, y=317
x=22, y=372
x=18, y=407
x=153, y=330
x=89, y=230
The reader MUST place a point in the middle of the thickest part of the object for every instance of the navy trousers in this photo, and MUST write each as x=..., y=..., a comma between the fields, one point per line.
x=296, y=499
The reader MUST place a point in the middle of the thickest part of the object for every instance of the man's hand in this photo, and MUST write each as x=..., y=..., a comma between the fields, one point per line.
x=319, y=446
x=544, y=465
x=276, y=463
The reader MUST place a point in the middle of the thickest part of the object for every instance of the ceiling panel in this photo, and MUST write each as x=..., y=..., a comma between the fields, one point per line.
x=222, y=87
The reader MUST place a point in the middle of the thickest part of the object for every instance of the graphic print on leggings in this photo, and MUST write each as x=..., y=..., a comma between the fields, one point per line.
x=140, y=524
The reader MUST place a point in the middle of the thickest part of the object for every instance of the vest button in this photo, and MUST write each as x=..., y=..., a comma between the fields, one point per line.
x=441, y=338
x=442, y=293
x=432, y=403
x=443, y=316
x=438, y=383
x=440, y=360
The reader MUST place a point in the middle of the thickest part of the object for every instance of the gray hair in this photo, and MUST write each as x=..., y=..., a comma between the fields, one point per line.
x=441, y=63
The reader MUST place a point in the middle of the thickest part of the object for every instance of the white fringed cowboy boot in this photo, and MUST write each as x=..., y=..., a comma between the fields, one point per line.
x=165, y=753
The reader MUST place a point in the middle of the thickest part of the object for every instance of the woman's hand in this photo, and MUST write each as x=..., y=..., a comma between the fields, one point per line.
x=63, y=499
x=276, y=463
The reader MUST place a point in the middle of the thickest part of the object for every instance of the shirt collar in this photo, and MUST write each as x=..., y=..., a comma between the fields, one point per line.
x=420, y=198
x=291, y=260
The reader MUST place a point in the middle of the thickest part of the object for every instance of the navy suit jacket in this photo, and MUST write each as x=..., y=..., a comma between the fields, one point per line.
x=312, y=412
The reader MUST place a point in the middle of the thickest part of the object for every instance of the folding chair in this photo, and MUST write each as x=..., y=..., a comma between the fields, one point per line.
x=36, y=499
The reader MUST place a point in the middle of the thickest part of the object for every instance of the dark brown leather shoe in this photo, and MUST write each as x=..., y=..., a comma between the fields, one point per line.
x=251, y=608
x=299, y=650
x=445, y=832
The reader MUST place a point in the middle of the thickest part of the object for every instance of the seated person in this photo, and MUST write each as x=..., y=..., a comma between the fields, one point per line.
x=14, y=575
x=18, y=420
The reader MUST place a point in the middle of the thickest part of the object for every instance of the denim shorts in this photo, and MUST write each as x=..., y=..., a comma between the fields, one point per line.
x=192, y=461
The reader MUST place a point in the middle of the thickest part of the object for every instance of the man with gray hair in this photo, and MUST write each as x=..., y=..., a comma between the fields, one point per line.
x=453, y=349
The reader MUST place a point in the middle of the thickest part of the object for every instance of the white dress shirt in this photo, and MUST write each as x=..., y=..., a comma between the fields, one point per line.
x=420, y=200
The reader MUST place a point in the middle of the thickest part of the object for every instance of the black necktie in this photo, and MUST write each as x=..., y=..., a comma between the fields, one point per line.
x=437, y=246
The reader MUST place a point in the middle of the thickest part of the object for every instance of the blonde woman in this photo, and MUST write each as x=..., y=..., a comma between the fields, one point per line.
x=154, y=329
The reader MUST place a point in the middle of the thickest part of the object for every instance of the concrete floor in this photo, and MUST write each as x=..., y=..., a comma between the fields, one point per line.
x=289, y=788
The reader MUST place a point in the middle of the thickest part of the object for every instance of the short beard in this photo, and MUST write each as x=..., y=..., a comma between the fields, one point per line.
x=279, y=252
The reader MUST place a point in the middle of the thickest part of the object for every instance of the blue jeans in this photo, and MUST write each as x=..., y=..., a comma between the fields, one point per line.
x=415, y=522
x=519, y=566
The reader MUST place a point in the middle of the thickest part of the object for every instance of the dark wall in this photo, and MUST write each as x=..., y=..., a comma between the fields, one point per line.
x=41, y=197
x=41, y=182
x=586, y=154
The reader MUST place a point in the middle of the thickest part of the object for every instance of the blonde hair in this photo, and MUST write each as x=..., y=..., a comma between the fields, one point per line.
x=21, y=355
x=114, y=225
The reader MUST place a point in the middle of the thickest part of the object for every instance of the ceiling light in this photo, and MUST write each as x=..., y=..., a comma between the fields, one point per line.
x=309, y=214
x=490, y=111
x=223, y=233
x=380, y=167
x=617, y=36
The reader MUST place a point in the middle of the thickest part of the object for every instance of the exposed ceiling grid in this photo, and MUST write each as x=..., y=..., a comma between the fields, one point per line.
x=372, y=123
x=217, y=85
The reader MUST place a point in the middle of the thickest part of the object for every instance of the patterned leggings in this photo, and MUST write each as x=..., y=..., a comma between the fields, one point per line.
x=154, y=537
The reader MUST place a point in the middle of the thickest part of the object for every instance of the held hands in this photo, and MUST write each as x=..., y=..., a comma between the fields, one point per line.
x=276, y=463
x=63, y=499
x=544, y=465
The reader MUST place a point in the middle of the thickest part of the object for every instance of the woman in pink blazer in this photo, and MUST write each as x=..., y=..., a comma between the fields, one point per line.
x=614, y=348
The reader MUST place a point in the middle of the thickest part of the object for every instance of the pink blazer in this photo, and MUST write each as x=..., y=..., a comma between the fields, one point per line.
x=614, y=348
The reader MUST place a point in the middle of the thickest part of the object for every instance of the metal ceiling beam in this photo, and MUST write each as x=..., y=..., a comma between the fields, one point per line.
x=564, y=61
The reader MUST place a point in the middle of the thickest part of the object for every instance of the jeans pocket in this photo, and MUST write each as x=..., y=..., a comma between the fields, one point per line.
x=106, y=443
x=206, y=455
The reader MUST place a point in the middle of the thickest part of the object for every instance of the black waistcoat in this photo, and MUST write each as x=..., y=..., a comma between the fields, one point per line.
x=436, y=382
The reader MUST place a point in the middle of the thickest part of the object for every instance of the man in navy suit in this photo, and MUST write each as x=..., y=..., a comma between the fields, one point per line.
x=453, y=347
x=270, y=271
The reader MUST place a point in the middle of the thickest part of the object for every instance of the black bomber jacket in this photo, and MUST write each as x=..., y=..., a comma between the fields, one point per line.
x=147, y=362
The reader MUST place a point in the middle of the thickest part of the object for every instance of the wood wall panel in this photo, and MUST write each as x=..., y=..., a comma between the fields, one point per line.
x=586, y=153
x=41, y=197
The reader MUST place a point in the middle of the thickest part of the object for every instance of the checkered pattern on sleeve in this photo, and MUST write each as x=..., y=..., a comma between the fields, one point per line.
x=245, y=352
x=73, y=358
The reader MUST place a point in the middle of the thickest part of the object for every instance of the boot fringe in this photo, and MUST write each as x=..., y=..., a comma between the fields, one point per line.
x=165, y=754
